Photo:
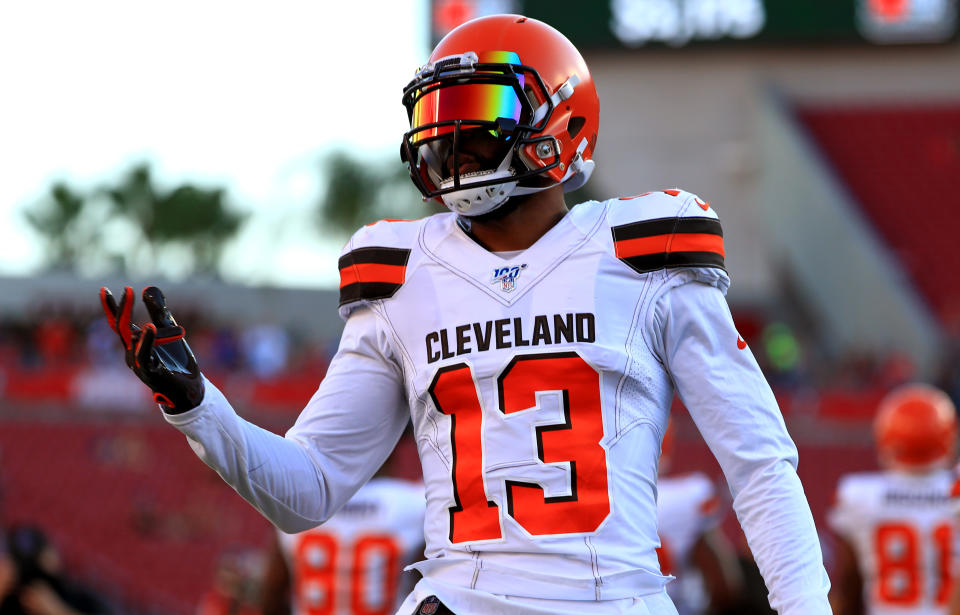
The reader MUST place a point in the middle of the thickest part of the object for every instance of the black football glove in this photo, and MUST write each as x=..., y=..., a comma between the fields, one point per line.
x=156, y=352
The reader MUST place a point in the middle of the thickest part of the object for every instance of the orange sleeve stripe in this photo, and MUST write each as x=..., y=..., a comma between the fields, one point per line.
x=680, y=242
x=372, y=272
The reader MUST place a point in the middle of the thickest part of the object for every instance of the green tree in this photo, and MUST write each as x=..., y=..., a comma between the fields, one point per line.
x=134, y=225
x=187, y=219
x=62, y=220
x=359, y=192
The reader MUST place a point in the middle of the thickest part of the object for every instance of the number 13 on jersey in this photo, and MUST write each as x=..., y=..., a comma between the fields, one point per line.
x=576, y=441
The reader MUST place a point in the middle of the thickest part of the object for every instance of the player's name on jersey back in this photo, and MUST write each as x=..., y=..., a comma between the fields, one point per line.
x=934, y=498
x=359, y=508
x=540, y=330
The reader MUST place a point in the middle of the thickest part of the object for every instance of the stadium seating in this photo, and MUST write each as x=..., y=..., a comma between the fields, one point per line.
x=128, y=504
x=901, y=164
x=138, y=515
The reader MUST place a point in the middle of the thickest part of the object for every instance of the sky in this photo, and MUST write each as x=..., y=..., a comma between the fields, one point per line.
x=242, y=95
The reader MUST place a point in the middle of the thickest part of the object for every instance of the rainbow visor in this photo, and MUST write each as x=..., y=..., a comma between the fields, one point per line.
x=482, y=96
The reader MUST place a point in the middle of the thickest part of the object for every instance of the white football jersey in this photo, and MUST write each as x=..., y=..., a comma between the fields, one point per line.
x=353, y=563
x=688, y=506
x=539, y=388
x=902, y=528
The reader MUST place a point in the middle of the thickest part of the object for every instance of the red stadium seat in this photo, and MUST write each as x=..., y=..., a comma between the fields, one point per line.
x=901, y=163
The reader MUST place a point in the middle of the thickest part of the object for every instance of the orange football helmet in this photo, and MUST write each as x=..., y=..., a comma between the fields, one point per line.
x=521, y=86
x=916, y=428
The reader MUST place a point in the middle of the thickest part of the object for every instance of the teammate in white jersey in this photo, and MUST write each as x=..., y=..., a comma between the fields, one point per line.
x=693, y=548
x=353, y=563
x=535, y=348
x=897, y=537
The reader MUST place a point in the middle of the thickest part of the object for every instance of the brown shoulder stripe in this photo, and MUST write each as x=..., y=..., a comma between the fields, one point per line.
x=372, y=273
x=670, y=242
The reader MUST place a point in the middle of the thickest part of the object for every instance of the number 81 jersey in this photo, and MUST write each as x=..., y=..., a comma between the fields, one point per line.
x=537, y=401
x=902, y=529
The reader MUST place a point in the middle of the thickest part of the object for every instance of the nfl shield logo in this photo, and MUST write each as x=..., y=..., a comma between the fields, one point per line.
x=507, y=277
x=429, y=606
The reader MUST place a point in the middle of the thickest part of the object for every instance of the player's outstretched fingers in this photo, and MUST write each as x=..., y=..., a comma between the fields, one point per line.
x=157, y=307
x=119, y=316
x=109, y=305
x=145, y=345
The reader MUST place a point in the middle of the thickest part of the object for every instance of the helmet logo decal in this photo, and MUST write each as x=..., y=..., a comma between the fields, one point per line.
x=507, y=277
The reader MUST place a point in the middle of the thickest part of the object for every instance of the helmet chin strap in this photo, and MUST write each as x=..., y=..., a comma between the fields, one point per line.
x=482, y=199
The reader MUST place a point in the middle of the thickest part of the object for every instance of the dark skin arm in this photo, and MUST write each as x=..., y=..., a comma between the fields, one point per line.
x=716, y=559
x=275, y=593
x=846, y=591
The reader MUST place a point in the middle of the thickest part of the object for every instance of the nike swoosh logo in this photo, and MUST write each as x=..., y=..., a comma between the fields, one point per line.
x=703, y=204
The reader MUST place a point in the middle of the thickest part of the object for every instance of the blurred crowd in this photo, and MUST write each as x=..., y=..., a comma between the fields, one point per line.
x=59, y=339
x=59, y=336
x=793, y=360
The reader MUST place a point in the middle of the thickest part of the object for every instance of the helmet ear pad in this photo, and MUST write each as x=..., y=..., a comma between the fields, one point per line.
x=540, y=153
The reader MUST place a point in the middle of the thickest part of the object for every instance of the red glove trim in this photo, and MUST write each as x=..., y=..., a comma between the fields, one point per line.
x=163, y=400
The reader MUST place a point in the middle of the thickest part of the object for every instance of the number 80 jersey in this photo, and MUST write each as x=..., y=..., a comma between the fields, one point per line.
x=537, y=397
x=351, y=564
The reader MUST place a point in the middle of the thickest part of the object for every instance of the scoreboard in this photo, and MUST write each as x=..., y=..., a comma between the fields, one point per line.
x=680, y=23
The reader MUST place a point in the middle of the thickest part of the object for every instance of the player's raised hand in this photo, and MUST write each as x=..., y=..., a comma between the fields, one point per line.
x=156, y=351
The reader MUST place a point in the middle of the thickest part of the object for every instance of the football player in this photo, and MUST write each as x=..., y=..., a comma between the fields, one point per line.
x=535, y=348
x=895, y=529
x=353, y=563
x=693, y=548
